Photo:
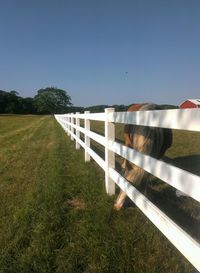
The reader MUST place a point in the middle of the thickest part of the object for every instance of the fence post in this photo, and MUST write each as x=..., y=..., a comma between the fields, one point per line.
x=65, y=122
x=109, y=155
x=72, y=129
x=77, y=131
x=68, y=124
x=87, y=139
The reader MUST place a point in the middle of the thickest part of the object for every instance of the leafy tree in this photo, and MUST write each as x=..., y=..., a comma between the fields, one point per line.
x=3, y=101
x=101, y=108
x=96, y=108
x=168, y=106
x=8, y=101
x=14, y=93
x=52, y=100
x=74, y=109
x=28, y=106
x=12, y=103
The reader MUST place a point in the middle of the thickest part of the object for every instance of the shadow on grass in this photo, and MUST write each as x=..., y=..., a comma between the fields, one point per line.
x=98, y=150
x=101, y=153
x=182, y=210
x=189, y=163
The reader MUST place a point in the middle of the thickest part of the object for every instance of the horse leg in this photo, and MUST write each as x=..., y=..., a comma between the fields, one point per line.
x=120, y=200
x=135, y=176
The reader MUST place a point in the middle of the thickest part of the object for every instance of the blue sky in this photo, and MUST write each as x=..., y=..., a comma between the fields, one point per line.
x=102, y=51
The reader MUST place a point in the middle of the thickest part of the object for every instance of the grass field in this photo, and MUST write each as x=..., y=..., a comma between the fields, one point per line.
x=56, y=217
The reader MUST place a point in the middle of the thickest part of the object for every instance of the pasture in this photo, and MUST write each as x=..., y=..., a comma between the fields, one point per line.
x=55, y=214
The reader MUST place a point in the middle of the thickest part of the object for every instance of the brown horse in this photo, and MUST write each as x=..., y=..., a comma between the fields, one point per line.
x=151, y=141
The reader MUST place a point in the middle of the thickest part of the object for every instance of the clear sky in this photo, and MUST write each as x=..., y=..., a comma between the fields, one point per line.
x=102, y=51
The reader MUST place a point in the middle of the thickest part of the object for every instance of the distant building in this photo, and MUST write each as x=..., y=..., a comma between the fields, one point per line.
x=190, y=103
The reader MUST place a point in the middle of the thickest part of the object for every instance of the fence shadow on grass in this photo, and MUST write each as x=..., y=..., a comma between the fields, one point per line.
x=189, y=163
x=183, y=210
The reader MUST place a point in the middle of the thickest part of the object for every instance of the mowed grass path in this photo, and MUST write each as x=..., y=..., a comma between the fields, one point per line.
x=56, y=217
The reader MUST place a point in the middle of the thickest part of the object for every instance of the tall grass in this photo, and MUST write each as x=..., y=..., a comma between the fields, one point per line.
x=56, y=217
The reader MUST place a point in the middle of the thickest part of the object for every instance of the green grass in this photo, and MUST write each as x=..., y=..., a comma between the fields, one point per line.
x=56, y=217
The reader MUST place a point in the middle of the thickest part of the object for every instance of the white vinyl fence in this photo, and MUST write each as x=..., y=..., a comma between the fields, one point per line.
x=184, y=181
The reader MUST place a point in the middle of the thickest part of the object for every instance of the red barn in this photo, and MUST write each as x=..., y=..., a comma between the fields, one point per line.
x=190, y=103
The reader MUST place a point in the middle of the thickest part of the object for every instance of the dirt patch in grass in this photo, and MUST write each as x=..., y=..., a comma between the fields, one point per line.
x=76, y=204
x=50, y=144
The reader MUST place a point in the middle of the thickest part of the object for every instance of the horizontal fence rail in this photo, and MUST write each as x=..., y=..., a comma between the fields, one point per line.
x=184, y=181
x=181, y=119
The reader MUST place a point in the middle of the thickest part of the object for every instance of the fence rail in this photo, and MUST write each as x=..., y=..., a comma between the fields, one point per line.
x=186, y=182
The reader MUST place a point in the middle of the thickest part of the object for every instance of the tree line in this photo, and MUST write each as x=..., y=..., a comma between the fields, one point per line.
x=50, y=100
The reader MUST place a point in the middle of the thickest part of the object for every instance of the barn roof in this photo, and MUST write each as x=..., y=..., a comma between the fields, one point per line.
x=195, y=101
